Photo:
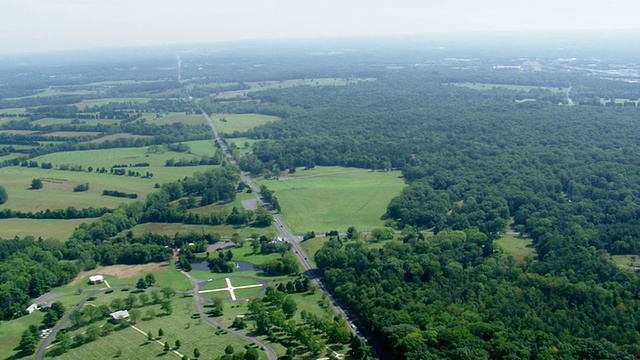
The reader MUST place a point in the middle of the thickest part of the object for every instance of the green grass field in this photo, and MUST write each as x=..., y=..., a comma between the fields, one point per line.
x=624, y=261
x=311, y=246
x=11, y=332
x=117, y=136
x=240, y=144
x=328, y=198
x=98, y=102
x=225, y=231
x=515, y=246
x=174, y=117
x=240, y=122
x=44, y=228
x=265, y=85
x=481, y=86
x=192, y=333
x=201, y=147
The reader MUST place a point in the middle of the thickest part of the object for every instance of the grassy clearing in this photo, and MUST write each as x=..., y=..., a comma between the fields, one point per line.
x=44, y=228
x=13, y=111
x=174, y=117
x=311, y=246
x=201, y=147
x=240, y=122
x=72, y=134
x=18, y=132
x=516, y=246
x=331, y=198
x=57, y=192
x=98, y=102
x=11, y=332
x=192, y=333
x=265, y=85
x=626, y=261
x=246, y=254
x=618, y=101
x=223, y=206
x=240, y=144
x=481, y=86
x=117, y=136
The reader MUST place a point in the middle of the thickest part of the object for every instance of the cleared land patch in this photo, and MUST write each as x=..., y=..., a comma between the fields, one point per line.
x=72, y=134
x=482, y=86
x=44, y=228
x=516, y=246
x=174, y=117
x=228, y=123
x=275, y=84
x=117, y=136
x=333, y=198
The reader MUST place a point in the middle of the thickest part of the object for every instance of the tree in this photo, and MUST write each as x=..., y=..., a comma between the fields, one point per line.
x=196, y=353
x=168, y=292
x=3, y=195
x=28, y=342
x=238, y=323
x=149, y=335
x=166, y=347
x=229, y=350
x=160, y=332
x=177, y=344
x=144, y=299
x=289, y=306
x=251, y=354
x=36, y=184
x=141, y=284
x=150, y=279
x=134, y=315
x=166, y=306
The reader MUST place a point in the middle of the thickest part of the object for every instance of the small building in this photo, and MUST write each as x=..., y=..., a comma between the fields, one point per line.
x=32, y=308
x=46, y=306
x=119, y=315
x=96, y=279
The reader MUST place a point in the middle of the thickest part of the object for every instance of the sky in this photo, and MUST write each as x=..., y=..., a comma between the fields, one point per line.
x=45, y=25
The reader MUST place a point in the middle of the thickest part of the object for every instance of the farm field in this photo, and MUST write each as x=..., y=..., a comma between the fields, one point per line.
x=334, y=198
x=44, y=228
x=240, y=122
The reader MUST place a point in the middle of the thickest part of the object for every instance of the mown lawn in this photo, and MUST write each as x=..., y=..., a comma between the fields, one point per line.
x=333, y=198
x=11, y=332
x=44, y=228
x=192, y=333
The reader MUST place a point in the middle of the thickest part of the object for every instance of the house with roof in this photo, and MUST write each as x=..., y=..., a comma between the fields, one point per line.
x=119, y=315
x=96, y=279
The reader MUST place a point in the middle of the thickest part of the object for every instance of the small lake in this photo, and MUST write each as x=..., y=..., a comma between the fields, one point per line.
x=203, y=265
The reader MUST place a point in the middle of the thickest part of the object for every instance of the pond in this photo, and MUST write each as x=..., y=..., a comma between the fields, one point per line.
x=203, y=265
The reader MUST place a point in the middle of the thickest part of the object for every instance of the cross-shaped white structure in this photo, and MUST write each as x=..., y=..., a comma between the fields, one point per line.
x=230, y=289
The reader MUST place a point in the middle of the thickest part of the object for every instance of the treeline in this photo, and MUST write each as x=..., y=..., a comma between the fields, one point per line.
x=60, y=214
x=447, y=298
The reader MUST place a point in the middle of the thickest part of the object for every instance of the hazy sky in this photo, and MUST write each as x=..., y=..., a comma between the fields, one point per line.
x=41, y=25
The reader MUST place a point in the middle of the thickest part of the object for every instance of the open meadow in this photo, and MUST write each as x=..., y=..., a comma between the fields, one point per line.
x=40, y=228
x=330, y=198
x=516, y=246
x=266, y=85
x=228, y=123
